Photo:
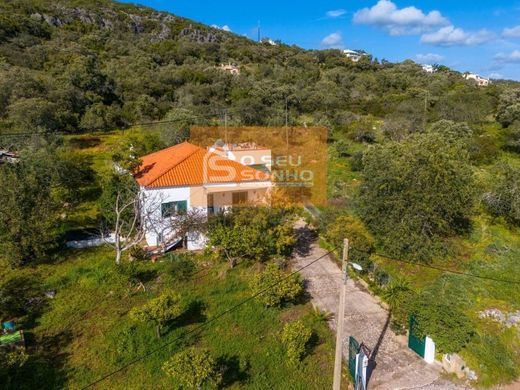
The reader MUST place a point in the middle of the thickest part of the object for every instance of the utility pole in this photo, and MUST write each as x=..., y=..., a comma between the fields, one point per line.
x=340, y=319
x=225, y=126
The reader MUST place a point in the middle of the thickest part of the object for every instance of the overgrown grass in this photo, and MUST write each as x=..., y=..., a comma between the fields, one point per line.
x=85, y=331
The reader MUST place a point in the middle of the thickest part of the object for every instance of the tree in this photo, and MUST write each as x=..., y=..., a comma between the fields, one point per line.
x=121, y=212
x=192, y=369
x=29, y=209
x=160, y=310
x=276, y=287
x=252, y=233
x=504, y=200
x=361, y=241
x=295, y=337
x=179, y=130
x=416, y=193
x=398, y=294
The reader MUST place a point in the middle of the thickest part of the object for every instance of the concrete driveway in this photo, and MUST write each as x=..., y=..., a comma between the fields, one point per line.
x=394, y=365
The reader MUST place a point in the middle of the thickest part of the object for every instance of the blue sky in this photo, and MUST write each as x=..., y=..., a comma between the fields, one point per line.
x=481, y=36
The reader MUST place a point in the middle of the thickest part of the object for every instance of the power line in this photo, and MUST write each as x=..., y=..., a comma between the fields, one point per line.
x=206, y=323
x=444, y=269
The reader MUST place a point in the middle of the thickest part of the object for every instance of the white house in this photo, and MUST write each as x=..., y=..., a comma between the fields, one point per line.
x=353, y=55
x=479, y=80
x=186, y=178
x=428, y=68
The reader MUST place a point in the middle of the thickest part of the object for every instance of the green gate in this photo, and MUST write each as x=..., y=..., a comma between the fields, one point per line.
x=416, y=343
x=353, y=349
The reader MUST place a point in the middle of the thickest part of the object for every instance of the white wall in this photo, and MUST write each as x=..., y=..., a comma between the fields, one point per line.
x=196, y=198
x=152, y=200
x=429, y=351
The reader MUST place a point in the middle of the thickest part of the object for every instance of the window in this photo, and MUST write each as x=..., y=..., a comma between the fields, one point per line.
x=170, y=209
x=239, y=198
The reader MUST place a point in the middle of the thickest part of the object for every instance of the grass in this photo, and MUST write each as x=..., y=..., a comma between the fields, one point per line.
x=85, y=332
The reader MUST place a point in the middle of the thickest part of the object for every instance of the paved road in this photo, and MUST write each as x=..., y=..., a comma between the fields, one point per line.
x=396, y=366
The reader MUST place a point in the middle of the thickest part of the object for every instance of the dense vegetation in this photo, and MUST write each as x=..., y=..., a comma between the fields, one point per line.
x=422, y=168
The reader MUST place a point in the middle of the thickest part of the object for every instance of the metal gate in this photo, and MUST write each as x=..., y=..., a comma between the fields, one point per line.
x=415, y=343
x=353, y=349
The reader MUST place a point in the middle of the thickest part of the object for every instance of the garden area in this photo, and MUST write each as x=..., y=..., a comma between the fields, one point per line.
x=90, y=327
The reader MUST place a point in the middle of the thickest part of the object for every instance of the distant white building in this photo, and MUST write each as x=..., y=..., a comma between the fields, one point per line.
x=479, y=80
x=353, y=55
x=428, y=68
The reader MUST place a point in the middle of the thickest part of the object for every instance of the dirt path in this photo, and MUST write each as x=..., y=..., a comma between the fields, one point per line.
x=395, y=366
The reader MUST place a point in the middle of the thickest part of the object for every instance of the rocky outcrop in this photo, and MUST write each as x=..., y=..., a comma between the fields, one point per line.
x=110, y=19
x=507, y=319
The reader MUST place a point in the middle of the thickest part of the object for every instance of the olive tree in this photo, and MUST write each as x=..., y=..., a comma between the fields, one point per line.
x=275, y=286
x=192, y=369
x=166, y=307
x=416, y=193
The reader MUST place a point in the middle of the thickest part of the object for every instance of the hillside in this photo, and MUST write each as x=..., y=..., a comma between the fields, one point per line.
x=81, y=65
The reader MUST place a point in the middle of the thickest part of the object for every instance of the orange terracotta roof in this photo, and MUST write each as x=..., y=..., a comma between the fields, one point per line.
x=190, y=165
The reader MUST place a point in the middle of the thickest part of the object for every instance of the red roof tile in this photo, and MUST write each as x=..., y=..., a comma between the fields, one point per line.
x=190, y=165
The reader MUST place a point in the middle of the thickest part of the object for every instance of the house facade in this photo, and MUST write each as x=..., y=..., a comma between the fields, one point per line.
x=185, y=180
x=479, y=80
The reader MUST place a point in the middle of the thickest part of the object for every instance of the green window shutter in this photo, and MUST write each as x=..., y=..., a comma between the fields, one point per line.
x=182, y=206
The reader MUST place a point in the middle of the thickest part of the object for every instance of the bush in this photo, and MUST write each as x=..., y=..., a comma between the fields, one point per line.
x=279, y=286
x=138, y=253
x=445, y=323
x=361, y=243
x=192, y=369
x=252, y=233
x=356, y=162
x=295, y=336
x=160, y=310
x=180, y=267
x=504, y=201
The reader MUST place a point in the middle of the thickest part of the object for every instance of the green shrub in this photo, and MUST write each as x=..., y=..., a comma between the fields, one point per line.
x=445, y=323
x=504, y=201
x=192, y=369
x=361, y=243
x=160, y=310
x=252, y=233
x=295, y=336
x=278, y=285
x=180, y=267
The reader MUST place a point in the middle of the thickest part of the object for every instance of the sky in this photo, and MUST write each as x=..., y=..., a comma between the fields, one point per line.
x=480, y=36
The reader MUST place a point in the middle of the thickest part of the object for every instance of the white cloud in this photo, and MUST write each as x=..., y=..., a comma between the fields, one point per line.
x=513, y=32
x=452, y=36
x=409, y=20
x=332, y=40
x=336, y=13
x=496, y=76
x=224, y=27
x=508, y=58
x=429, y=58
